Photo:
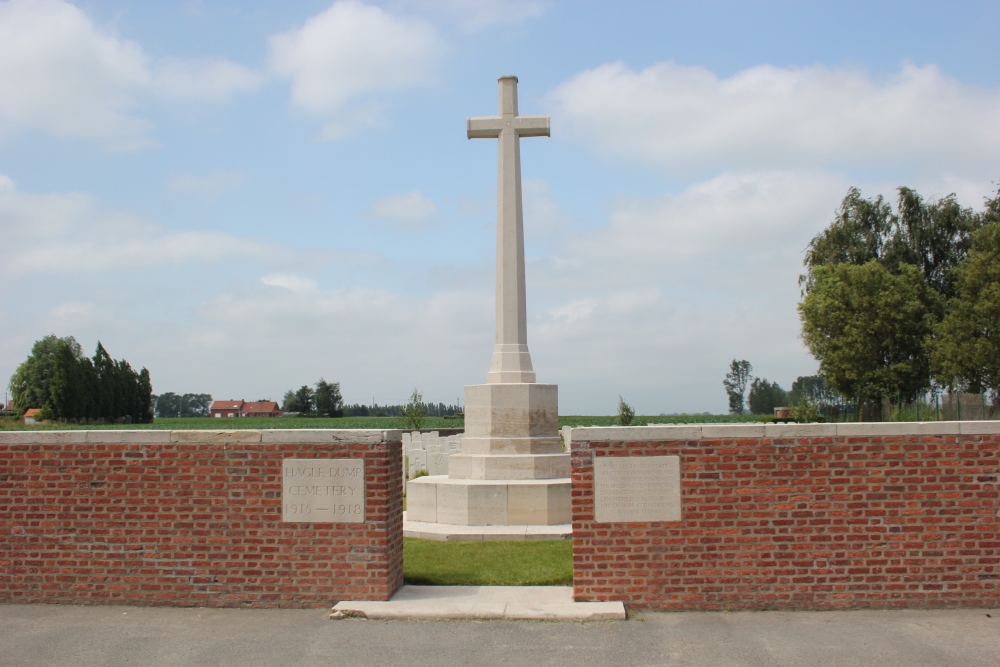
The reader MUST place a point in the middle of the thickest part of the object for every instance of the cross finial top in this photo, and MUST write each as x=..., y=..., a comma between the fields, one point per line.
x=507, y=120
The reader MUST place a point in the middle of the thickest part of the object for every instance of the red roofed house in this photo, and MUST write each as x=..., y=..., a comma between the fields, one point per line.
x=243, y=408
x=226, y=408
x=29, y=415
x=261, y=409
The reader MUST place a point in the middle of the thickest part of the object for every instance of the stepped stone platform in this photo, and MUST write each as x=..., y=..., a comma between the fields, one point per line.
x=447, y=532
x=512, y=470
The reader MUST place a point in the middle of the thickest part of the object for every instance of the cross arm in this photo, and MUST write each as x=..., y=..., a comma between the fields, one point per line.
x=484, y=127
x=532, y=126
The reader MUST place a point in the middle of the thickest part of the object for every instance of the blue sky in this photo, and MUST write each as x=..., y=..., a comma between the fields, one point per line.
x=246, y=196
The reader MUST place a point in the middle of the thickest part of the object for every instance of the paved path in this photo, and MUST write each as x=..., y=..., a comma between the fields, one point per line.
x=518, y=603
x=138, y=636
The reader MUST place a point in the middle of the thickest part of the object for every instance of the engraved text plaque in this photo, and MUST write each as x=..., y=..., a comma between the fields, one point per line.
x=637, y=488
x=323, y=490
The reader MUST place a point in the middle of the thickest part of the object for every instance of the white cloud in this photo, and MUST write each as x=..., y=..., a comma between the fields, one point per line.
x=575, y=311
x=211, y=80
x=209, y=185
x=62, y=74
x=541, y=210
x=68, y=232
x=346, y=57
x=769, y=117
x=289, y=281
x=475, y=15
x=410, y=210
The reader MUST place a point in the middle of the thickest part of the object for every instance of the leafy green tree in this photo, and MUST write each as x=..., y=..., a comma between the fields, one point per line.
x=290, y=402
x=415, y=411
x=966, y=350
x=857, y=235
x=305, y=398
x=167, y=404
x=30, y=385
x=869, y=328
x=736, y=384
x=933, y=236
x=67, y=386
x=196, y=405
x=765, y=397
x=625, y=412
x=170, y=404
x=329, y=402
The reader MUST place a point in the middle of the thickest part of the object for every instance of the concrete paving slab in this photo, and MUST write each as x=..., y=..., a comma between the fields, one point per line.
x=99, y=635
x=537, y=603
x=446, y=532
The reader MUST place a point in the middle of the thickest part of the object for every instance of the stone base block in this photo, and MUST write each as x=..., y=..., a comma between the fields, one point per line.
x=520, y=410
x=472, y=502
x=490, y=445
x=513, y=466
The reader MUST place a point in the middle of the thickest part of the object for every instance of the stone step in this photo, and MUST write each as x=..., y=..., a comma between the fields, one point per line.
x=473, y=502
x=534, y=603
x=509, y=466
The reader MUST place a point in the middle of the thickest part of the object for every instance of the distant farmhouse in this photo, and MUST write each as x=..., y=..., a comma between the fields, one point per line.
x=243, y=408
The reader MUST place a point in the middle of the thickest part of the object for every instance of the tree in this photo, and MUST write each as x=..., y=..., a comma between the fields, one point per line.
x=736, y=384
x=857, y=235
x=966, y=350
x=766, y=396
x=625, y=412
x=935, y=237
x=67, y=386
x=305, y=399
x=170, y=404
x=869, y=328
x=30, y=385
x=415, y=411
x=329, y=402
x=290, y=402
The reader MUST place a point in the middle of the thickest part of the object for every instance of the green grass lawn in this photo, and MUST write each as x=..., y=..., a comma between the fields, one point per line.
x=638, y=420
x=503, y=563
x=256, y=423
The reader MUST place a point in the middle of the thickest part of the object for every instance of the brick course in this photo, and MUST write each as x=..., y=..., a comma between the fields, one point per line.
x=829, y=522
x=190, y=518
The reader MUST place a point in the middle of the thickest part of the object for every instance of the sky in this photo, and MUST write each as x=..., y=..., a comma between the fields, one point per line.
x=244, y=197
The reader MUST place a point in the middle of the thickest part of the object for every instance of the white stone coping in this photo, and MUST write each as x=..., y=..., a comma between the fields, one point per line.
x=729, y=431
x=236, y=436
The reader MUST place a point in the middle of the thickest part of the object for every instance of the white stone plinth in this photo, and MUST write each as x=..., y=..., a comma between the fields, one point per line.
x=473, y=502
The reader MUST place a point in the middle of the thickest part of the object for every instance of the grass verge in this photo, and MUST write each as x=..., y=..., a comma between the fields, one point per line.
x=207, y=423
x=501, y=563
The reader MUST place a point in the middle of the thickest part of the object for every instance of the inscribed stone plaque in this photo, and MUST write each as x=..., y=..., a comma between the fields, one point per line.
x=323, y=490
x=637, y=488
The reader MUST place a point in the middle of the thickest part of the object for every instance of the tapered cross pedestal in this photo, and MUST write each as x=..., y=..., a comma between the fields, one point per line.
x=512, y=469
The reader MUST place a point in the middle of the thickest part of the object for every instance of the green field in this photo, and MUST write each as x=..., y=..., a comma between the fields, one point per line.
x=502, y=563
x=257, y=423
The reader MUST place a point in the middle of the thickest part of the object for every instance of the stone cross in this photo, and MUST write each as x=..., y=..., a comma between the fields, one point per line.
x=511, y=361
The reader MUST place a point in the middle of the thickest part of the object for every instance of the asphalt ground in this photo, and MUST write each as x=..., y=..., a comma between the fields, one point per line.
x=54, y=635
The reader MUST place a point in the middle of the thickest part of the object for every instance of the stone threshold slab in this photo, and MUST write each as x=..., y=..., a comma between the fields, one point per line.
x=446, y=532
x=520, y=603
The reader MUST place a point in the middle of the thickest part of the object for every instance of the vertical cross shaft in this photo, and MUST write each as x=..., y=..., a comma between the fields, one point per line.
x=511, y=361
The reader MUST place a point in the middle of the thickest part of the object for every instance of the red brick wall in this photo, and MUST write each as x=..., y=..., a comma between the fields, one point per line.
x=189, y=523
x=800, y=523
